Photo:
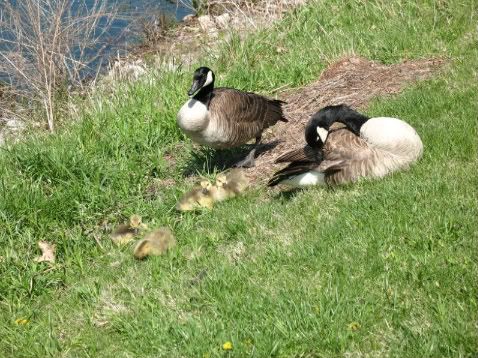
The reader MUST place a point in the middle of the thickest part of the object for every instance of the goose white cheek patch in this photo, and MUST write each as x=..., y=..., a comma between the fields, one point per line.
x=323, y=133
x=208, y=79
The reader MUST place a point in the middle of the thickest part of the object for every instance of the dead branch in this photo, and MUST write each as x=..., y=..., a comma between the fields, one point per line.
x=48, y=46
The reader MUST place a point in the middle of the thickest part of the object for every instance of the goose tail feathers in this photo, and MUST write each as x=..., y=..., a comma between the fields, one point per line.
x=277, y=103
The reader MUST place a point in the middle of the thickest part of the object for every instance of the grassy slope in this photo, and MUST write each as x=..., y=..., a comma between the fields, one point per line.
x=286, y=275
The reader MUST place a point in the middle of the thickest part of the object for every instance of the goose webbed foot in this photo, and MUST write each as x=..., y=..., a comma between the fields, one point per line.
x=248, y=161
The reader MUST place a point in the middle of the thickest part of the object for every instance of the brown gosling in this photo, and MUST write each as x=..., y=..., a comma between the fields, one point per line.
x=155, y=243
x=125, y=233
x=227, y=186
x=199, y=197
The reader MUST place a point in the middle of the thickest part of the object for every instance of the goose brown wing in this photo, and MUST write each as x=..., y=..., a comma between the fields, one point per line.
x=245, y=113
x=305, y=154
x=347, y=157
x=293, y=169
x=302, y=160
x=343, y=158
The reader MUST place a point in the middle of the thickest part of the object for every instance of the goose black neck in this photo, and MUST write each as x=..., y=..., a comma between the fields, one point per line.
x=311, y=136
x=205, y=94
x=354, y=121
x=338, y=113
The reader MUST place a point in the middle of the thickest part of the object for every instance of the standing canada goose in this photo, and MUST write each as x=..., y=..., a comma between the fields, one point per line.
x=339, y=156
x=226, y=117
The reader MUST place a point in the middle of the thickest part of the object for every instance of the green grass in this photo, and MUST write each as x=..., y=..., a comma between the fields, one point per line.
x=286, y=275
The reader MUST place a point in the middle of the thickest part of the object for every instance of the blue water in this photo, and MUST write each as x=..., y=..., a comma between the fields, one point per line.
x=134, y=9
x=126, y=30
x=141, y=6
x=131, y=12
x=147, y=9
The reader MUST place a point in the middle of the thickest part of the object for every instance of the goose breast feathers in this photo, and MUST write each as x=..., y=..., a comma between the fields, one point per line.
x=394, y=136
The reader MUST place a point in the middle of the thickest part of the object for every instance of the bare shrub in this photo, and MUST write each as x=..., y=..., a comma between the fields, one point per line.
x=49, y=46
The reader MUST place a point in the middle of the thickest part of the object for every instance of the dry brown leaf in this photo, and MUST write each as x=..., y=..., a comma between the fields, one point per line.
x=48, y=252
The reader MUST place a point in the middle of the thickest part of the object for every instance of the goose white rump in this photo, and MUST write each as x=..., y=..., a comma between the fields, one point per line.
x=393, y=135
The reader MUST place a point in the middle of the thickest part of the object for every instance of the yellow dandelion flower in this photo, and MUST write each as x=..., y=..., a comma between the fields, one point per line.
x=227, y=346
x=354, y=326
x=21, y=321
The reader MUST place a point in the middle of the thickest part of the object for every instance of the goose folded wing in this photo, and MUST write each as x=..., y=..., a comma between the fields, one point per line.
x=293, y=169
x=347, y=157
x=246, y=109
x=304, y=154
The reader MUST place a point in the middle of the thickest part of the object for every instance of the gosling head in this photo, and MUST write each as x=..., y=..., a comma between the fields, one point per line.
x=221, y=180
x=205, y=186
x=202, y=77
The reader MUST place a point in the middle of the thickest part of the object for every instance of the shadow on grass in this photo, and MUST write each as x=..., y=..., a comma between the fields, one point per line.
x=288, y=194
x=211, y=160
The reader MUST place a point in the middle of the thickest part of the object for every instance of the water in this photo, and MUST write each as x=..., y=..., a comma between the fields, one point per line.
x=141, y=6
x=132, y=10
x=124, y=32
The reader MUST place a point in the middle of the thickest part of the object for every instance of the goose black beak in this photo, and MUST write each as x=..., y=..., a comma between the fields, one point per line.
x=196, y=86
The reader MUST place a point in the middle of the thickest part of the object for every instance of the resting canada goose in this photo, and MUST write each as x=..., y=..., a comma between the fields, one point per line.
x=339, y=156
x=226, y=117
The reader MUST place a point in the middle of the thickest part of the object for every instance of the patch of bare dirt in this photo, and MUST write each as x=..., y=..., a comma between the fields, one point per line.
x=352, y=80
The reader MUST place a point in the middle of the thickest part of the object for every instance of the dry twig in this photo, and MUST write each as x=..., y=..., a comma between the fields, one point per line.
x=48, y=46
